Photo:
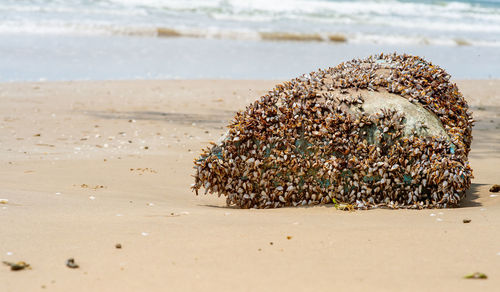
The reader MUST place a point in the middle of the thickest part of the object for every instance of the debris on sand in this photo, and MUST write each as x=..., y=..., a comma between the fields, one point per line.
x=476, y=275
x=17, y=266
x=385, y=131
x=70, y=263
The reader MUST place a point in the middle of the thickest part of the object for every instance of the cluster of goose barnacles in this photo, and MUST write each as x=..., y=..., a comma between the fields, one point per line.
x=309, y=141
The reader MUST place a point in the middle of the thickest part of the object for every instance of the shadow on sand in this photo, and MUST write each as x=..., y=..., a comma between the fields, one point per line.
x=471, y=196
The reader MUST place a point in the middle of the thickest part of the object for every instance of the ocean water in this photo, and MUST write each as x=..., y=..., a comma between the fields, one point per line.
x=238, y=39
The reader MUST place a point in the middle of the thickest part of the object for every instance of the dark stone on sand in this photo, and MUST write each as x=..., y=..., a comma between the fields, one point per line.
x=495, y=188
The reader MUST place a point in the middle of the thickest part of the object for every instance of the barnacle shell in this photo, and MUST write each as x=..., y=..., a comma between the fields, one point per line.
x=388, y=130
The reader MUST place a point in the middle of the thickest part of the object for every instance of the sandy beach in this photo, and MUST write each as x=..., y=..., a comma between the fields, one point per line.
x=90, y=164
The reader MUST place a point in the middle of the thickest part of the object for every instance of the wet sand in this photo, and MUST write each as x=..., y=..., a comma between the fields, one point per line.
x=87, y=165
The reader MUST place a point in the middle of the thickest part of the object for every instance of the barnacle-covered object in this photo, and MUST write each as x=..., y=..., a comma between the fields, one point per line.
x=388, y=130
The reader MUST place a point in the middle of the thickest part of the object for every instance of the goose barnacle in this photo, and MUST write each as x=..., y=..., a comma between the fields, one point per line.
x=388, y=130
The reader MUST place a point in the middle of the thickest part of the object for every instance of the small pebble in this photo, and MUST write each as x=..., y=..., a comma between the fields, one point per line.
x=432, y=215
x=4, y=201
x=289, y=237
x=144, y=234
x=271, y=243
x=466, y=220
x=92, y=197
x=495, y=188
x=118, y=245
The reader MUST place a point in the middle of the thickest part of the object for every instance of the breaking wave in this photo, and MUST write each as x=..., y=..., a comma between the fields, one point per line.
x=457, y=23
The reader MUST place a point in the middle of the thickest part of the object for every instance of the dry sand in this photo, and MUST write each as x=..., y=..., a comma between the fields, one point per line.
x=60, y=142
